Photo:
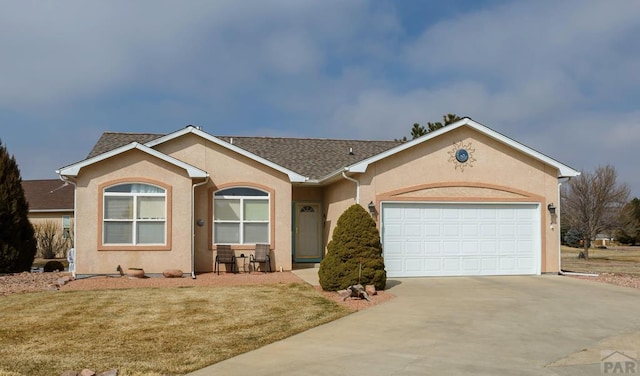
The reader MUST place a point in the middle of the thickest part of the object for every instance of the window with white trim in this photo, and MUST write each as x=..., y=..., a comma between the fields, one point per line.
x=134, y=213
x=66, y=226
x=241, y=216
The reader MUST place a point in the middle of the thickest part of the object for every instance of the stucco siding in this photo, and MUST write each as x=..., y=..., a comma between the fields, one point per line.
x=134, y=166
x=429, y=172
x=228, y=169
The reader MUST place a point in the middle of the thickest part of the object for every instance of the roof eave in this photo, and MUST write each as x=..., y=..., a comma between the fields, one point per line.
x=74, y=169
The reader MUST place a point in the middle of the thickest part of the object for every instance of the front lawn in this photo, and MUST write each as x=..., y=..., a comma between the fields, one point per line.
x=151, y=331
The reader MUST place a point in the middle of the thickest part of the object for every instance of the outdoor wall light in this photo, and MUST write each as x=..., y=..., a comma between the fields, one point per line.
x=372, y=208
x=552, y=209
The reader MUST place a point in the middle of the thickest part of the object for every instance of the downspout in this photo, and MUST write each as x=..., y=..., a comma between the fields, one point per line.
x=66, y=180
x=193, y=229
x=357, y=186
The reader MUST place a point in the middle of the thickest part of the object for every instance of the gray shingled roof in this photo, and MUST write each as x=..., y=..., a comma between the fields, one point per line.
x=314, y=158
x=113, y=140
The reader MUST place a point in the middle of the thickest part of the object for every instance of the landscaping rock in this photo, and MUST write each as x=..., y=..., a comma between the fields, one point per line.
x=357, y=291
x=371, y=289
x=70, y=373
x=172, y=273
x=87, y=372
x=344, y=293
x=111, y=372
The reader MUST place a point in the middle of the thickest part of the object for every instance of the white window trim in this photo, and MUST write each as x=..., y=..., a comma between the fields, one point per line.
x=133, y=220
x=242, y=221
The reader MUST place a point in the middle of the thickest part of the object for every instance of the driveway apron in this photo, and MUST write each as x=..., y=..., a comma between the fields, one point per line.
x=523, y=325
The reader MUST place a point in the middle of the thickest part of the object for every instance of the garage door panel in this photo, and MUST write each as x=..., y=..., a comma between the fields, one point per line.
x=413, y=230
x=451, y=230
x=393, y=231
x=423, y=239
x=471, y=266
x=450, y=265
x=413, y=248
x=470, y=247
x=470, y=230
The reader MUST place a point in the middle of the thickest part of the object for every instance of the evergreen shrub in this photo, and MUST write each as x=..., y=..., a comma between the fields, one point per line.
x=355, y=238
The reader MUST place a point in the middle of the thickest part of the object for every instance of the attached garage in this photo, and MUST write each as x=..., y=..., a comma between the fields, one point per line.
x=460, y=239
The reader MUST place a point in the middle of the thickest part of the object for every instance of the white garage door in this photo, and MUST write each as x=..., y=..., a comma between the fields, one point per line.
x=429, y=239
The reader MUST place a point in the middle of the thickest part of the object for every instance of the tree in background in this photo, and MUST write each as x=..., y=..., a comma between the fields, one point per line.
x=354, y=254
x=51, y=240
x=629, y=232
x=419, y=130
x=592, y=202
x=17, y=242
x=572, y=238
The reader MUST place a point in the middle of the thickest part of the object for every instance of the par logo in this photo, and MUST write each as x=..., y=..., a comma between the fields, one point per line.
x=618, y=362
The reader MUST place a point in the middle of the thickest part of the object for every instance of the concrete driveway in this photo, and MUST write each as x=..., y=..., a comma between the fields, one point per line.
x=538, y=325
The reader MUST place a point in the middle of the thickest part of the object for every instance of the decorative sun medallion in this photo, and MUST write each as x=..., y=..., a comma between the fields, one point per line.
x=461, y=155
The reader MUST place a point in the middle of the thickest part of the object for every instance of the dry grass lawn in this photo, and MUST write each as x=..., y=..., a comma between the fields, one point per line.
x=151, y=331
x=618, y=260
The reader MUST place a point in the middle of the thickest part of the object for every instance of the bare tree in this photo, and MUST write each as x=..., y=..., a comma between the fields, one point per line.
x=591, y=203
x=51, y=240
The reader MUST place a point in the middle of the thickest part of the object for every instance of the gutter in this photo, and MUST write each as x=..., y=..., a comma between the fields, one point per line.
x=357, y=186
x=193, y=229
x=67, y=180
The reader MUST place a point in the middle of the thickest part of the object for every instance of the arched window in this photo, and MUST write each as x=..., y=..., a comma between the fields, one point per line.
x=134, y=213
x=241, y=215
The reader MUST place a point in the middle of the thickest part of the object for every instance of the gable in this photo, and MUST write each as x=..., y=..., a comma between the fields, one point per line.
x=516, y=147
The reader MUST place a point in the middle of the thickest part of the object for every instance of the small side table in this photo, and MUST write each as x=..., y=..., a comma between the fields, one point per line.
x=244, y=258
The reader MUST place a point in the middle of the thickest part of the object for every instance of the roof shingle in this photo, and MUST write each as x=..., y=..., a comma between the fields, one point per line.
x=49, y=194
x=314, y=158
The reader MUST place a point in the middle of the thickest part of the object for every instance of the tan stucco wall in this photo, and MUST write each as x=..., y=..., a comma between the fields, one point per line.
x=132, y=166
x=56, y=217
x=227, y=169
x=425, y=173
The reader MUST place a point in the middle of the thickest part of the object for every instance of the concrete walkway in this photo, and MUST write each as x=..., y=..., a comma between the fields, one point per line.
x=538, y=325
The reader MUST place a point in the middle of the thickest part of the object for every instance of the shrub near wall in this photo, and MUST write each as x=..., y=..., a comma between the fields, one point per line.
x=355, y=238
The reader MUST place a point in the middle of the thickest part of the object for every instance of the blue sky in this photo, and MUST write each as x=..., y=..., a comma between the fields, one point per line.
x=559, y=76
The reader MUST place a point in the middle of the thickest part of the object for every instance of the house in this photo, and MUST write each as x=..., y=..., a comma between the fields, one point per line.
x=50, y=200
x=462, y=200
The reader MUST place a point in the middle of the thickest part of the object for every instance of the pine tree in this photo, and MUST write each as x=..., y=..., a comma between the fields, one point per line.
x=354, y=254
x=17, y=242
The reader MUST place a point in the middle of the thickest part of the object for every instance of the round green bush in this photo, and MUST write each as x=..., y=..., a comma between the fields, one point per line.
x=52, y=266
x=354, y=251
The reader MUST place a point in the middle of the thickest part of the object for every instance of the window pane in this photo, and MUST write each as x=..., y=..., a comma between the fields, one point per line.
x=241, y=191
x=227, y=233
x=256, y=233
x=256, y=210
x=151, y=232
x=226, y=210
x=118, y=233
x=135, y=188
x=118, y=207
x=145, y=188
x=151, y=208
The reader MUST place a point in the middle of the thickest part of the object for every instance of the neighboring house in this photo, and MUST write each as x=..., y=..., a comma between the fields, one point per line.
x=50, y=200
x=462, y=200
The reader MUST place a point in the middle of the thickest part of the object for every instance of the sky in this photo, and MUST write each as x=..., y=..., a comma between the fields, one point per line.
x=562, y=77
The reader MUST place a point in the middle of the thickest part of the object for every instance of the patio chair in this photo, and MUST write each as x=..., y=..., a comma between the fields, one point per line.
x=225, y=255
x=261, y=256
